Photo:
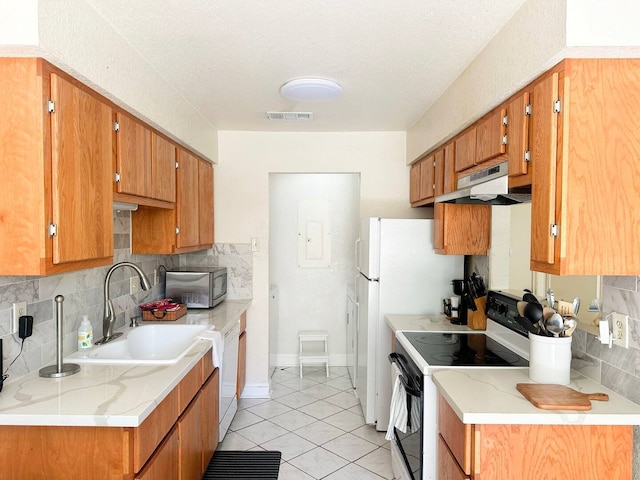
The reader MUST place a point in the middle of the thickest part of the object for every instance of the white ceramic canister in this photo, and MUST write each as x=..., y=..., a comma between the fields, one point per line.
x=550, y=359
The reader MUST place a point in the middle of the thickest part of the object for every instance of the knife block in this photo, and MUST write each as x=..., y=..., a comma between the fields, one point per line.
x=477, y=319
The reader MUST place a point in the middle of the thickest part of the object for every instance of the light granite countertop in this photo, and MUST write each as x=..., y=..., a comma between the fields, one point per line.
x=109, y=395
x=431, y=322
x=486, y=396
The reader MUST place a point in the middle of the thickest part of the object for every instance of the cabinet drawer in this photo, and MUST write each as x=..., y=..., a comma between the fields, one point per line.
x=456, y=434
x=189, y=386
x=164, y=463
x=148, y=435
x=448, y=468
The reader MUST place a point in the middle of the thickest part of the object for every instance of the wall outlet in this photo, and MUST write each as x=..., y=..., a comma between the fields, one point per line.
x=620, y=324
x=19, y=309
x=134, y=285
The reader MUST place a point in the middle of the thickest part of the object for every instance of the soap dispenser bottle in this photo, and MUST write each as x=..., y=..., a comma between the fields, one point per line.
x=85, y=334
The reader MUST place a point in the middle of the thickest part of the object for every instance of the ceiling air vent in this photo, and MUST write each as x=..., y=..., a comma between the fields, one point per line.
x=290, y=116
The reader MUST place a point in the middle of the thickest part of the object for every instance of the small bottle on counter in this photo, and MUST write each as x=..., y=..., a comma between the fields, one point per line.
x=85, y=334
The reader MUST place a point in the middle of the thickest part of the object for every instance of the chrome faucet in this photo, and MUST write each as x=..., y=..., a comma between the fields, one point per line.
x=109, y=318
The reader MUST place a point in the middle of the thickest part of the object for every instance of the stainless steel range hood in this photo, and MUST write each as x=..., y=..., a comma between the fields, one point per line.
x=485, y=187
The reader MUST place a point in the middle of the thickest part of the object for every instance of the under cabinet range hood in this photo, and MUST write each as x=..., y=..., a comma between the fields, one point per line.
x=485, y=187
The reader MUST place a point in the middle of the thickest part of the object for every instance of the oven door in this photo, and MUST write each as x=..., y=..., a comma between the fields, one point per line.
x=409, y=442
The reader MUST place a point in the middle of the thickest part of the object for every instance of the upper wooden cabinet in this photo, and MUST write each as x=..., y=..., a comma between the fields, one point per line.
x=144, y=164
x=491, y=140
x=422, y=181
x=414, y=183
x=465, y=146
x=55, y=151
x=133, y=156
x=585, y=150
x=189, y=226
x=462, y=229
x=518, y=153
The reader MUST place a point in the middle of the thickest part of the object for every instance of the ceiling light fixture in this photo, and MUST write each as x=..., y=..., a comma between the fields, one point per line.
x=311, y=90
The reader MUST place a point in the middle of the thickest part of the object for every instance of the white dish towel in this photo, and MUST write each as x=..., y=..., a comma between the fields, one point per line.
x=398, y=414
x=216, y=338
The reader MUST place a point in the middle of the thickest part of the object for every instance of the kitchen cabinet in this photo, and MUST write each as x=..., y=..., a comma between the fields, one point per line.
x=465, y=147
x=189, y=226
x=144, y=164
x=462, y=229
x=518, y=153
x=585, y=147
x=55, y=152
x=242, y=356
x=172, y=439
x=422, y=182
x=488, y=452
x=133, y=156
x=491, y=141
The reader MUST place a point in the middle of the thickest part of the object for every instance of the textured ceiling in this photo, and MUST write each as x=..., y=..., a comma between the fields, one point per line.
x=229, y=58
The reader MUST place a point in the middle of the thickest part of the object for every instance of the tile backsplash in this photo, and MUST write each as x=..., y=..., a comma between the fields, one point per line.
x=83, y=293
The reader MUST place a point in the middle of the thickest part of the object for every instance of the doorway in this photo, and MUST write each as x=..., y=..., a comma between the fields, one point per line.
x=313, y=225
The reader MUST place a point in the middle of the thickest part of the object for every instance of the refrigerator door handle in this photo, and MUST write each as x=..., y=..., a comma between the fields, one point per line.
x=357, y=254
x=356, y=296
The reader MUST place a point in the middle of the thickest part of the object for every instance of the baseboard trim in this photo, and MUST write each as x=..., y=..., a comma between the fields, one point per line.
x=256, y=390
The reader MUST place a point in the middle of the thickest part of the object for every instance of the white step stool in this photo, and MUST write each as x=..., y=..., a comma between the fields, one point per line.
x=313, y=357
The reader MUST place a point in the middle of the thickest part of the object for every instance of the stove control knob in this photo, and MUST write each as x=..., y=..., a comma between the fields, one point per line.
x=502, y=308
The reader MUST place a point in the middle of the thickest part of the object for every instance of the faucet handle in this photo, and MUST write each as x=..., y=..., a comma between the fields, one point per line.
x=135, y=322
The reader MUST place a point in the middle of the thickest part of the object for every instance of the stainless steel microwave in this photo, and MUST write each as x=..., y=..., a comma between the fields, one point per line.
x=197, y=287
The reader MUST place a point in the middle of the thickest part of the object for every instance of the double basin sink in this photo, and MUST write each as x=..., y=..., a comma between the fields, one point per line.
x=145, y=345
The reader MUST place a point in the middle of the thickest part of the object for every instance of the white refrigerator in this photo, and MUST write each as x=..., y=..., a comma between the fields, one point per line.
x=398, y=273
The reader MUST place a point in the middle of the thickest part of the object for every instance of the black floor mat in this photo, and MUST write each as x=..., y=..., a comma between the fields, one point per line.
x=232, y=464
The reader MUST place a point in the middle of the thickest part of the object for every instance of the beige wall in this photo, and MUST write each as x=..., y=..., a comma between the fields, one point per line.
x=242, y=198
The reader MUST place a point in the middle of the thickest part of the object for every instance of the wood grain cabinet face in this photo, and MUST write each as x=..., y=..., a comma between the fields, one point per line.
x=55, y=151
x=462, y=229
x=165, y=463
x=465, y=146
x=585, y=194
x=490, y=136
x=210, y=417
x=427, y=178
x=133, y=156
x=187, y=205
x=414, y=183
x=518, y=152
x=205, y=203
x=449, y=179
x=487, y=452
x=163, y=169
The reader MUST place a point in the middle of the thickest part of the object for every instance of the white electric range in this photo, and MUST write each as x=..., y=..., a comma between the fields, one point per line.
x=504, y=344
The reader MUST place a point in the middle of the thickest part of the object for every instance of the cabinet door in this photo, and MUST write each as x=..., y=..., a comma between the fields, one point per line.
x=449, y=181
x=518, y=135
x=187, y=200
x=448, y=468
x=465, y=146
x=205, y=200
x=438, y=160
x=544, y=156
x=190, y=435
x=427, y=177
x=210, y=394
x=490, y=132
x=81, y=163
x=163, y=169
x=133, y=156
x=164, y=465
x=242, y=364
x=414, y=183
x=462, y=229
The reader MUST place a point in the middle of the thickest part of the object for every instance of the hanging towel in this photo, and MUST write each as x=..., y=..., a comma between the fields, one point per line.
x=216, y=339
x=398, y=415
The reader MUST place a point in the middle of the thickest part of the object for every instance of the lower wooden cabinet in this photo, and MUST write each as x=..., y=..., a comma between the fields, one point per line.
x=553, y=452
x=462, y=229
x=170, y=444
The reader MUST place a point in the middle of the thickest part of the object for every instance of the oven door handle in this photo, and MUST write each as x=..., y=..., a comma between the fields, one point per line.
x=398, y=360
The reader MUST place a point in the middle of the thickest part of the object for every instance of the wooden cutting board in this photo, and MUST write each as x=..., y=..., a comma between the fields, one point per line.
x=558, y=397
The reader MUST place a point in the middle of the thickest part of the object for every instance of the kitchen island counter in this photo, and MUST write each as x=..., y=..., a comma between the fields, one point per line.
x=108, y=394
x=489, y=396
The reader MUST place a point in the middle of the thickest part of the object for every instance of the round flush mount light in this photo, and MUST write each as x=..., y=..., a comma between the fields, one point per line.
x=311, y=90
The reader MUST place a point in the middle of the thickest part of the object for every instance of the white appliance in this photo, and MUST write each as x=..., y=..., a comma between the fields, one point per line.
x=228, y=378
x=352, y=333
x=399, y=273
